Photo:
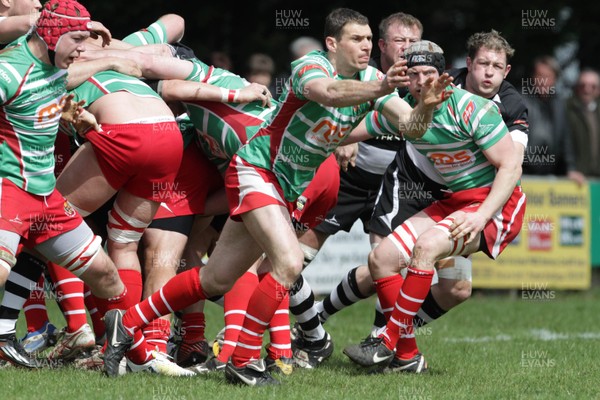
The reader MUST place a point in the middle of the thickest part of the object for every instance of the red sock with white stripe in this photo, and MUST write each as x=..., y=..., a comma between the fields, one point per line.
x=409, y=300
x=157, y=333
x=279, y=332
x=234, y=308
x=69, y=296
x=131, y=295
x=179, y=292
x=262, y=306
x=95, y=315
x=387, y=291
x=192, y=326
x=35, y=307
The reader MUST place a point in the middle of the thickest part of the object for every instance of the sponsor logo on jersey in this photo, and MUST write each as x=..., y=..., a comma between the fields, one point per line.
x=469, y=111
x=5, y=76
x=450, y=161
x=48, y=114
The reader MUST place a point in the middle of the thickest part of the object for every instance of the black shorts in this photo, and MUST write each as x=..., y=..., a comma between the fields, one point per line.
x=180, y=224
x=356, y=198
x=405, y=190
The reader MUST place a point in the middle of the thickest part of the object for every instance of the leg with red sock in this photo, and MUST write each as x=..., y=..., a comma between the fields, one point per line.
x=193, y=348
x=123, y=330
x=381, y=350
x=77, y=336
x=245, y=360
x=40, y=332
x=279, y=351
x=95, y=316
x=235, y=305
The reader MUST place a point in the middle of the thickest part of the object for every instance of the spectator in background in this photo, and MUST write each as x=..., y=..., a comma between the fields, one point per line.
x=261, y=69
x=550, y=149
x=298, y=48
x=304, y=45
x=220, y=59
x=584, y=119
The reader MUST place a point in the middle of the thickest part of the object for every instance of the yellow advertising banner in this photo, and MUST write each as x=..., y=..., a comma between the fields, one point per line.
x=553, y=248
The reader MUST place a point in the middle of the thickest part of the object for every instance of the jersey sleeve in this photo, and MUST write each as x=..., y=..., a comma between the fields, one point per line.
x=380, y=102
x=199, y=71
x=378, y=125
x=156, y=33
x=306, y=69
x=482, y=118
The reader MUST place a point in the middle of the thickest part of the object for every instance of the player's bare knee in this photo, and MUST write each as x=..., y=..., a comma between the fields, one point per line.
x=426, y=250
x=213, y=282
x=379, y=265
x=461, y=291
x=363, y=274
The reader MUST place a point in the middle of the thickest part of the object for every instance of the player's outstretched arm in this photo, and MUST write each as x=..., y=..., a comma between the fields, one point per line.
x=414, y=122
x=16, y=26
x=179, y=90
x=79, y=72
x=152, y=66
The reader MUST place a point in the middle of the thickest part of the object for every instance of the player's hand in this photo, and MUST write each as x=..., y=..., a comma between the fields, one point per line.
x=255, y=92
x=71, y=109
x=86, y=122
x=434, y=91
x=346, y=155
x=81, y=119
x=467, y=224
x=396, y=75
x=97, y=29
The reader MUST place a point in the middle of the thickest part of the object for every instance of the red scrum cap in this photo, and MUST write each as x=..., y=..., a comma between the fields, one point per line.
x=59, y=17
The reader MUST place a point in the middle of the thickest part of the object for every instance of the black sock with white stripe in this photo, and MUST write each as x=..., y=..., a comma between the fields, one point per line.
x=302, y=305
x=21, y=281
x=379, y=322
x=430, y=311
x=345, y=294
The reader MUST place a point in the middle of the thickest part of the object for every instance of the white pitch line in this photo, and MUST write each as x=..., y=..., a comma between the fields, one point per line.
x=536, y=334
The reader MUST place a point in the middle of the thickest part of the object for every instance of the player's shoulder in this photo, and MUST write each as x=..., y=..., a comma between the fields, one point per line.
x=509, y=97
x=315, y=60
x=371, y=73
x=14, y=62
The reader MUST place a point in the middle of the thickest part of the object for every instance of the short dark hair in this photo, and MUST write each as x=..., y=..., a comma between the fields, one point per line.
x=338, y=18
x=491, y=40
x=550, y=62
x=399, y=18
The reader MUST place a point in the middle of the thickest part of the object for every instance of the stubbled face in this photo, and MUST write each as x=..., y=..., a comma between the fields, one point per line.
x=24, y=7
x=353, y=50
x=398, y=39
x=418, y=75
x=588, y=87
x=69, y=47
x=487, y=70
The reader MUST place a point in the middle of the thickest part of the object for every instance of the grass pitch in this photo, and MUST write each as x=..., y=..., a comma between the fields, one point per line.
x=491, y=347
